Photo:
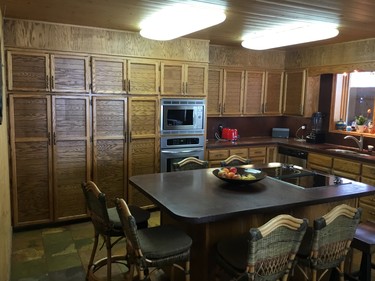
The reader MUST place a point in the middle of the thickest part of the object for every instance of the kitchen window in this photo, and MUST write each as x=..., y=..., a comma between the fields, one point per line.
x=355, y=96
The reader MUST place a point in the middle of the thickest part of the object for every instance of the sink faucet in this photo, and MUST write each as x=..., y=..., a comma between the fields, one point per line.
x=358, y=142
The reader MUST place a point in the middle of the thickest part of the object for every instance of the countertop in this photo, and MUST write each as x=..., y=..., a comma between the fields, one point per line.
x=197, y=196
x=291, y=142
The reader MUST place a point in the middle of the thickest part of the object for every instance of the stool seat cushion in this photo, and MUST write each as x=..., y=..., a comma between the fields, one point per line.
x=141, y=217
x=163, y=241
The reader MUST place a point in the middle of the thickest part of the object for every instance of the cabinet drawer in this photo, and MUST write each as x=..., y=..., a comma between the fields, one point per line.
x=368, y=172
x=218, y=154
x=257, y=151
x=368, y=212
x=347, y=166
x=243, y=152
x=368, y=180
x=369, y=200
x=320, y=160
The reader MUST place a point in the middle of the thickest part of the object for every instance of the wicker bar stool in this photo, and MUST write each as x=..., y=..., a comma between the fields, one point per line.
x=154, y=247
x=264, y=253
x=326, y=245
x=190, y=163
x=107, y=224
x=235, y=160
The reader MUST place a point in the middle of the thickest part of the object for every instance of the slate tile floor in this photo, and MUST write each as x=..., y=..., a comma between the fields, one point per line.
x=60, y=253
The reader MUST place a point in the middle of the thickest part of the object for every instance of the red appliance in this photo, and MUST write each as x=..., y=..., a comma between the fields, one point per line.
x=229, y=134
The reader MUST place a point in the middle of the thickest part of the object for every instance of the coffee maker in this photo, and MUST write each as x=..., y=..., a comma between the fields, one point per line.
x=316, y=135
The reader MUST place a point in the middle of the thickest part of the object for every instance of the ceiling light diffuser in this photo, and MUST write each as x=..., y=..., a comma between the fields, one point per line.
x=181, y=19
x=289, y=35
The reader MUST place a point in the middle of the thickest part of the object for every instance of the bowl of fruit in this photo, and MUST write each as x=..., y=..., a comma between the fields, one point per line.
x=239, y=176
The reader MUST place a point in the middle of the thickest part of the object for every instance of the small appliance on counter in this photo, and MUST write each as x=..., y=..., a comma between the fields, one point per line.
x=226, y=134
x=280, y=133
x=316, y=135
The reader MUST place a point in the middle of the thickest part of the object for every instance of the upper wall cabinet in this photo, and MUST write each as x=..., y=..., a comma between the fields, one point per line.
x=184, y=79
x=125, y=76
x=294, y=93
x=273, y=92
x=254, y=93
x=232, y=95
x=47, y=72
x=215, y=91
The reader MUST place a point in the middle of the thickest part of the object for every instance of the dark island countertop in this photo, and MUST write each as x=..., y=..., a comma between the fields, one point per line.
x=291, y=142
x=197, y=196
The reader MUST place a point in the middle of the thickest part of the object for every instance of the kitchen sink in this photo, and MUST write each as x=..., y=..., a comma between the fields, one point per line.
x=346, y=151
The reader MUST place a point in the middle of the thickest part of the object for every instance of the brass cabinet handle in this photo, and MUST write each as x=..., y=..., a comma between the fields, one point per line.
x=49, y=138
x=47, y=82
x=54, y=138
x=128, y=86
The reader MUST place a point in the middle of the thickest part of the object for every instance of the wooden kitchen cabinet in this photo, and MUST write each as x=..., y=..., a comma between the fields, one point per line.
x=273, y=92
x=233, y=91
x=33, y=71
x=346, y=168
x=368, y=203
x=110, y=151
x=319, y=162
x=215, y=91
x=258, y=154
x=144, y=143
x=253, y=93
x=125, y=76
x=294, y=92
x=50, y=144
x=187, y=79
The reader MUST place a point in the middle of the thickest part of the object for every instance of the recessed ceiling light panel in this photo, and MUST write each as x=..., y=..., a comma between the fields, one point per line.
x=181, y=19
x=292, y=34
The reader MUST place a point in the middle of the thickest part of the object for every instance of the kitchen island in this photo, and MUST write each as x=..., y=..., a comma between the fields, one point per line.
x=209, y=209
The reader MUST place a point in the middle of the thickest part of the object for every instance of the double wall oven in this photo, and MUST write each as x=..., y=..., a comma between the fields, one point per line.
x=182, y=131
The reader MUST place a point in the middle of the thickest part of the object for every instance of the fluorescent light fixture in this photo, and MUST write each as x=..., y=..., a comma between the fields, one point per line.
x=181, y=19
x=292, y=34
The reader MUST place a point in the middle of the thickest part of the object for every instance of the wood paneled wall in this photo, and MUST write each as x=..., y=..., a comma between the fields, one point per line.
x=5, y=211
x=335, y=58
x=240, y=57
x=59, y=37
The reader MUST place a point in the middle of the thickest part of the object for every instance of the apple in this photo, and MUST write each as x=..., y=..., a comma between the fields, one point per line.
x=230, y=175
x=233, y=170
x=237, y=177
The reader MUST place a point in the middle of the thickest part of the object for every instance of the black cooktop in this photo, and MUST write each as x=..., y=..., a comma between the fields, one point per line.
x=301, y=177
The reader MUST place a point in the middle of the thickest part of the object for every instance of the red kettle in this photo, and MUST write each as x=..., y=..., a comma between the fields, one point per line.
x=229, y=134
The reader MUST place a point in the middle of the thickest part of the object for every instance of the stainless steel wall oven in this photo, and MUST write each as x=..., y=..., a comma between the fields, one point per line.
x=175, y=148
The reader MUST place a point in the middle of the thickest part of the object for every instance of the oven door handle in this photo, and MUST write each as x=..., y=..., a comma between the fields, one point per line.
x=181, y=151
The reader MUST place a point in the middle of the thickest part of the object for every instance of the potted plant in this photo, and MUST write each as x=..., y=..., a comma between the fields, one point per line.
x=360, y=122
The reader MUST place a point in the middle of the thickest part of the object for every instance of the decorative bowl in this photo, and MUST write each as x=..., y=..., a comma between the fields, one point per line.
x=252, y=176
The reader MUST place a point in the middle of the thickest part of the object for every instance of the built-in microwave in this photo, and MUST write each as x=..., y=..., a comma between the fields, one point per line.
x=182, y=116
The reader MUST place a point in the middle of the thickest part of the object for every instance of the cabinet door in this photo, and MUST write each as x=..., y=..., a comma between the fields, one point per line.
x=294, y=93
x=71, y=153
x=172, y=78
x=110, y=146
x=215, y=92
x=233, y=89
x=108, y=75
x=253, y=94
x=196, y=79
x=143, y=77
x=273, y=92
x=144, y=144
x=69, y=73
x=28, y=71
x=31, y=159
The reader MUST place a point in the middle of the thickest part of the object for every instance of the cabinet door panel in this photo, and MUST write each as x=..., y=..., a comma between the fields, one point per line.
x=253, y=96
x=143, y=77
x=108, y=75
x=294, y=93
x=196, y=80
x=69, y=73
x=233, y=88
x=171, y=79
x=109, y=146
x=71, y=154
x=273, y=92
x=215, y=91
x=31, y=159
x=28, y=71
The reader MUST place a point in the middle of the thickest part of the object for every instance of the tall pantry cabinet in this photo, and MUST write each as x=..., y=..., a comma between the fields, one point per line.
x=64, y=134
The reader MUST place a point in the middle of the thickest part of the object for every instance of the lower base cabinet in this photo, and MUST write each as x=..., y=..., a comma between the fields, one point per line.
x=257, y=154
